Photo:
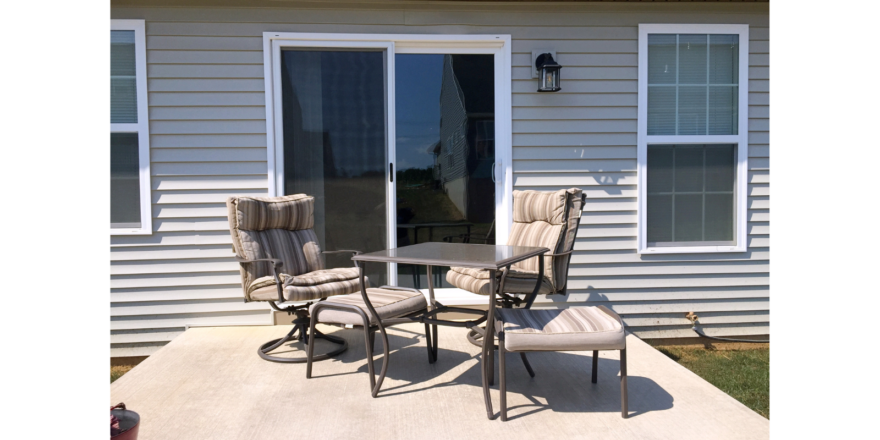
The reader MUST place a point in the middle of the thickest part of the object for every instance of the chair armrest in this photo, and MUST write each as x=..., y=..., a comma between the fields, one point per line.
x=343, y=251
x=559, y=254
x=275, y=271
x=276, y=262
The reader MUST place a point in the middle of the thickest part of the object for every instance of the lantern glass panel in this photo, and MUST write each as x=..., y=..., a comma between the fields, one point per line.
x=549, y=79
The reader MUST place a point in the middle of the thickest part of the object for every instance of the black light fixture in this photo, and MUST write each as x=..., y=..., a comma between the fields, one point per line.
x=549, y=71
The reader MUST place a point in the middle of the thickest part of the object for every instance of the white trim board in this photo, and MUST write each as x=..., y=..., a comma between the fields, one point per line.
x=740, y=139
x=497, y=45
x=141, y=127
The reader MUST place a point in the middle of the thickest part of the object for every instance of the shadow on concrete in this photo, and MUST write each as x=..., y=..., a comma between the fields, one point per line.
x=562, y=381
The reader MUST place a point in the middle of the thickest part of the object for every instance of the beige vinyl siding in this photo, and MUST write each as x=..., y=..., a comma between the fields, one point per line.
x=208, y=141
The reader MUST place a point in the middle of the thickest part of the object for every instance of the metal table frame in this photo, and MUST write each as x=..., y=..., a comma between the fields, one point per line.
x=435, y=307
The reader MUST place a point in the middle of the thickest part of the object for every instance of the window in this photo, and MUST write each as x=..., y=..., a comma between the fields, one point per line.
x=129, y=130
x=692, y=138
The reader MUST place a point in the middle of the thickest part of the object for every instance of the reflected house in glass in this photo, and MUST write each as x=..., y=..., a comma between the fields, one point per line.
x=464, y=156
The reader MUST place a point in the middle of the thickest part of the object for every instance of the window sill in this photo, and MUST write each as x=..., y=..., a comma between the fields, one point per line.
x=691, y=250
x=126, y=231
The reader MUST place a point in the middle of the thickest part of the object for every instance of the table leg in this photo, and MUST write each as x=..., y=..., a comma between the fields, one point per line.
x=417, y=282
x=489, y=344
x=431, y=307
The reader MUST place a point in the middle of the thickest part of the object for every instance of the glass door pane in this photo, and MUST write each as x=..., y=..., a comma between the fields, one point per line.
x=335, y=146
x=445, y=153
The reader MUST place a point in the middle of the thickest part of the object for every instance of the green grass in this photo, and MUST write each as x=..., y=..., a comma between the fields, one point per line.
x=118, y=371
x=740, y=370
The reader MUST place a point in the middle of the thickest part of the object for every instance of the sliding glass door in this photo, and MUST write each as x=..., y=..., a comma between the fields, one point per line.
x=334, y=140
x=398, y=144
x=445, y=153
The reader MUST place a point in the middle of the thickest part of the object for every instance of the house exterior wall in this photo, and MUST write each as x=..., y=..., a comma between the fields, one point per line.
x=208, y=141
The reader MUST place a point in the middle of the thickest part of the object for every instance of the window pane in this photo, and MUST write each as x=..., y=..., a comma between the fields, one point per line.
x=661, y=59
x=689, y=168
x=445, y=112
x=125, y=194
x=691, y=110
x=720, y=165
x=719, y=217
x=660, y=168
x=692, y=55
x=723, y=59
x=723, y=109
x=661, y=110
x=659, y=218
x=333, y=104
x=123, y=84
x=699, y=77
x=688, y=211
x=681, y=208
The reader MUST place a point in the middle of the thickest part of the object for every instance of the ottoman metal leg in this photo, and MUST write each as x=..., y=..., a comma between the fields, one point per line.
x=624, y=406
x=502, y=353
x=595, y=365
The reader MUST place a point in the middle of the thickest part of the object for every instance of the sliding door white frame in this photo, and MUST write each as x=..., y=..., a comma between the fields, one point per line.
x=497, y=45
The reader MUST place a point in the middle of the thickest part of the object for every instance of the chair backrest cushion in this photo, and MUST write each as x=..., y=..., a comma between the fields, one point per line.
x=546, y=219
x=274, y=227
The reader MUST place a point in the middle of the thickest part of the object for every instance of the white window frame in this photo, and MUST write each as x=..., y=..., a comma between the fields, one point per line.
x=740, y=140
x=142, y=127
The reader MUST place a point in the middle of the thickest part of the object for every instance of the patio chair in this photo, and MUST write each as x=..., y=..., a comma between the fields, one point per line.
x=392, y=305
x=572, y=329
x=547, y=219
x=280, y=261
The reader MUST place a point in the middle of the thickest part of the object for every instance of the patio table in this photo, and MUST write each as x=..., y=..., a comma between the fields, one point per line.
x=494, y=258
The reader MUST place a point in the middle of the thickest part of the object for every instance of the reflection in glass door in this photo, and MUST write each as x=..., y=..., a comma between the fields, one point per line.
x=333, y=105
x=445, y=153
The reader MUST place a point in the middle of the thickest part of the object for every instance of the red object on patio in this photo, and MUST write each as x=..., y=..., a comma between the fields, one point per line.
x=124, y=423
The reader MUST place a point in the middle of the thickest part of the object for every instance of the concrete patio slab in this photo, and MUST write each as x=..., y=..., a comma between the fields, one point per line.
x=209, y=384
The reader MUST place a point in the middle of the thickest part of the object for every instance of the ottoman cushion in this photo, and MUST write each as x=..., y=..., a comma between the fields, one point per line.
x=571, y=329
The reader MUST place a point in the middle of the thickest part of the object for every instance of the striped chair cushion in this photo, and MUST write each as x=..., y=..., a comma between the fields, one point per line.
x=307, y=287
x=538, y=206
x=388, y=302
x=546, y=219
x=293, y=213
x=477, y=281
x=274, y=227
x=308, y=293
x=571, y=329
x=323, y=276
x=541, y=219
x=297, y=250
x=540, y=234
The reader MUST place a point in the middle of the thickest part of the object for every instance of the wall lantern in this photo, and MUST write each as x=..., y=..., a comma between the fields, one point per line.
x=549, y=73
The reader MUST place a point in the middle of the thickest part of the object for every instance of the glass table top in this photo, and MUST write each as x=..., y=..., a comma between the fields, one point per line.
x=479, y=256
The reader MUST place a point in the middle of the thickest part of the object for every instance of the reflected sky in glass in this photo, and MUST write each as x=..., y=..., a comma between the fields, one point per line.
x=419, y=78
